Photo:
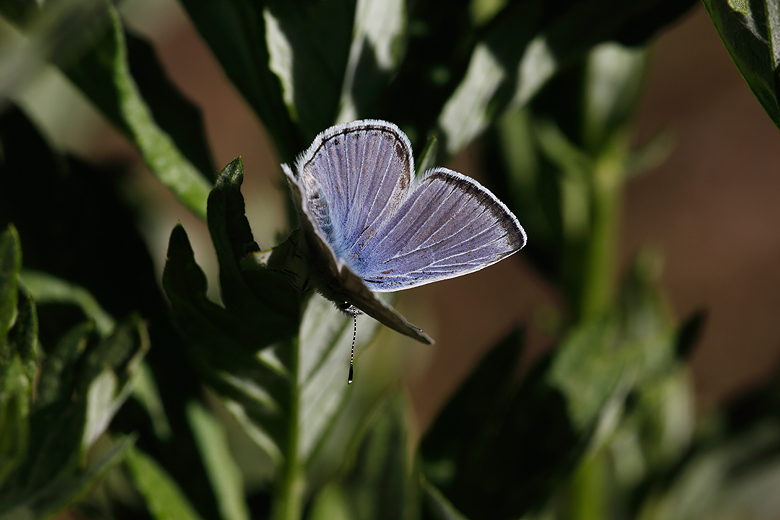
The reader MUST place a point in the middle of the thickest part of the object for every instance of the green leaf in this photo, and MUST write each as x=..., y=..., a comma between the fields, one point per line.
x=323, y=361
x=82, y=383
x=263, y=296
x=440, y=507
x=68, y=488
x=281, y=369
x=15, y=396
x=10, y=264
x=86, y=40
x=23, y=337
x=225, y=349
x=566, y=158
x=226, y=480
x=176, y=115
x=524, y=49
x=381, y=484
x=147, y=394
x=498, y=449
x=601, y=360
x=237, y=35
x=163, y=497
x=79, y=208
x=732, y=479
x=308, y=47
x=111, y=369
x=461, y=424
x=374, y=56
x=59, y=372
x=749, y=31
x=45, y=288
x=331, y=502
x=103, y=74
x=612, y=87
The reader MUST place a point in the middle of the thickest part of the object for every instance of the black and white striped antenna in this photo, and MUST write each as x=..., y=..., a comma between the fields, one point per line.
x=352, y=311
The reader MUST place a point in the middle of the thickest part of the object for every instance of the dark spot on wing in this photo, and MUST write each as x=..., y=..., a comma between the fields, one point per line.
x=400, y=151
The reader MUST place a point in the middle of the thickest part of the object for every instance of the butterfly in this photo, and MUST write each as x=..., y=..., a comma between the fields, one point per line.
x=372, y=226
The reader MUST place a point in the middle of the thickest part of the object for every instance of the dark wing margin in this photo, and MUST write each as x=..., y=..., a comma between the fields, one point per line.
x=448, y=226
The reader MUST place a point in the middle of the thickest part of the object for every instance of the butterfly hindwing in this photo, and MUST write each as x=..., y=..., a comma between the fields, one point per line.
x=448, y=226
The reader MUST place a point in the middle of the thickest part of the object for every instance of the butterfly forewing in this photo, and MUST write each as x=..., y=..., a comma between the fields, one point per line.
x=448, y=226
x=363, y=171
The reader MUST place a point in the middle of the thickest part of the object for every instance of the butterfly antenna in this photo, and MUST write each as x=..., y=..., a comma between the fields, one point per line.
x=352, y=351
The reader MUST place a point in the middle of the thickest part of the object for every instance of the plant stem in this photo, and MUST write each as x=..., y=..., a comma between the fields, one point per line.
x=598, y=276
x=588, y=491
x=289, y=494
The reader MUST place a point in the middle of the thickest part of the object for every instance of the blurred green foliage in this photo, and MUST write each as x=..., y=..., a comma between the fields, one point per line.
x=603, y=426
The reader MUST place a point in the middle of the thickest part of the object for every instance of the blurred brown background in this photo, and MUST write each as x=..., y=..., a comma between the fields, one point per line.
x=713, y=208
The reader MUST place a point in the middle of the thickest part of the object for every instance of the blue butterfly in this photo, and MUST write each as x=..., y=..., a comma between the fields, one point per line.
x=373, y=226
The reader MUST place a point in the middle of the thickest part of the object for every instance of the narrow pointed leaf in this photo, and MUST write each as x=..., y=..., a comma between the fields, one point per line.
x=10, y=265
x=498, y=448
x=176, y=115
x=112, y=368
x=382, y=485
x=104, y=76
x=308, y=47
x=224, y=352
x=163, y=497
x=226, y=480
x=45, y=288
x=67, y=489
x=440, y=507
x=237, y=35
x=374, y=56
x=262, y=296
x=527, y=46
x=15, y=396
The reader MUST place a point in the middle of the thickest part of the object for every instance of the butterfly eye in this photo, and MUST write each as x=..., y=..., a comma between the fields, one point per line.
x=348, y=308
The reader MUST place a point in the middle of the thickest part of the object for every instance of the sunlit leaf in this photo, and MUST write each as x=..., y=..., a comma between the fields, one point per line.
x=236, y=32
x=104, y=76
x=374, y=55
x=526, y=47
